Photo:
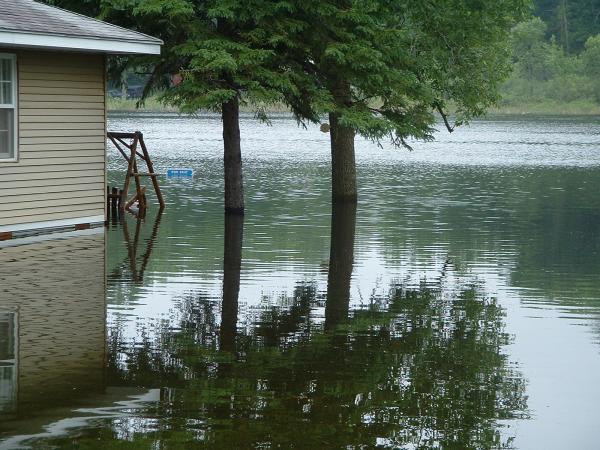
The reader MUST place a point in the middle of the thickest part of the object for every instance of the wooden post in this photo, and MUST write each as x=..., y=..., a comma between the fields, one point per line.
x=135, y=173
x=159, y=196
x=128, y=179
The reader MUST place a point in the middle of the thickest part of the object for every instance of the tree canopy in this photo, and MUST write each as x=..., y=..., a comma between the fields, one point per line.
x=570, y=21
x=382, y=68
x=379, y=68
x=401, y=60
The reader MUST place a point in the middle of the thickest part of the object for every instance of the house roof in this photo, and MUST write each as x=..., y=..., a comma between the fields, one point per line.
x=26, y=23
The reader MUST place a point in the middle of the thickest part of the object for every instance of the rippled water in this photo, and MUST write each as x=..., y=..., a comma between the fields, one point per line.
x=457, y=307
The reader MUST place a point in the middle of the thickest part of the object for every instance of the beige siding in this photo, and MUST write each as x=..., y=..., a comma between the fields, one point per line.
x=60, y=173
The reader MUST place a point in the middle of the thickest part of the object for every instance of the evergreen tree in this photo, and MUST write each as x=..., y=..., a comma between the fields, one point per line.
x=570, y=21
x=378, y=68
x=383, y=67
x=212, y=48
x=214, y=58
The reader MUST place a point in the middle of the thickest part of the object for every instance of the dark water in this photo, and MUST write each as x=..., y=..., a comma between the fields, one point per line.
x=457, y=307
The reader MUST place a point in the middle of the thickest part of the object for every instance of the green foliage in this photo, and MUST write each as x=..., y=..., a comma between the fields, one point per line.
x=530, y=51
x=570, y=21
x=384, y=67
x=212, y=46
x=591, y=56
x=401, y=58
x=545, y=73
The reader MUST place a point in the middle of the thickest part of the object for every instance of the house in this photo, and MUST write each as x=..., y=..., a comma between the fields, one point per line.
x=53, y=115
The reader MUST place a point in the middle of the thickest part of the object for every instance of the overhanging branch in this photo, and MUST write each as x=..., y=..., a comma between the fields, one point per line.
x=449, y=127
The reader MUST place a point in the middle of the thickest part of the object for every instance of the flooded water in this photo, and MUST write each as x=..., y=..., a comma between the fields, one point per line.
x=456, y=307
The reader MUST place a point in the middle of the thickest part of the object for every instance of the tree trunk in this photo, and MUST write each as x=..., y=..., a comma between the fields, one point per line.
x=234, y=183
x=232, y=263
x=341, y=261
x=564, y=24
x=343, y=166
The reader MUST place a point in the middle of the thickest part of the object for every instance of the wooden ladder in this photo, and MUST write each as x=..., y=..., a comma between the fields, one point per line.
x=131, y=155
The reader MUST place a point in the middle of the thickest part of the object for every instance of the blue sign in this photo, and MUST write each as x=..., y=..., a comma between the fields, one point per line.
x=182, y=173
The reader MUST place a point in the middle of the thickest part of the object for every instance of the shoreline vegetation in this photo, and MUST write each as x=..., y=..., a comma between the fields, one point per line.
x=154, y=105
x=551, y=74
x=545, y=108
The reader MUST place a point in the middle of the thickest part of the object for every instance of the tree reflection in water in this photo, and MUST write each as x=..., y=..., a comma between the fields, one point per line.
x=232, y=264
x=423, y=368
x=341, y=259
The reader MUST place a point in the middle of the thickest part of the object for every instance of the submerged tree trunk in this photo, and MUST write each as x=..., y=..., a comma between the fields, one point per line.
x=341, y=261
x=343, y=166
x=234, y=183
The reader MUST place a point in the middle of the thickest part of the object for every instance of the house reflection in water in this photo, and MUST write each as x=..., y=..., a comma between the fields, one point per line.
x=8, y=376
x=52, y=323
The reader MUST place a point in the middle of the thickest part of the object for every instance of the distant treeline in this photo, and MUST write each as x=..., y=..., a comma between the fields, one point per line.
x=571, y=22
x=556, y=57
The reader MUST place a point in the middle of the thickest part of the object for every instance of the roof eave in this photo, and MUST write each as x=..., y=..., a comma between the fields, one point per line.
x=73, y=43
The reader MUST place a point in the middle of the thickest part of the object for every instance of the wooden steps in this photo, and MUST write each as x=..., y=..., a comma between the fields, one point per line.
x=132, y=146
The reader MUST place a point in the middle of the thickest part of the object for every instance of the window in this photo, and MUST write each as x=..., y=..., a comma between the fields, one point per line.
x=8, y=106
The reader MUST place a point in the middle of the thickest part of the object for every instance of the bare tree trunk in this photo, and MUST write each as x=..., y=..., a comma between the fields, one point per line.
x=564, y=24
x=234, y=183
x=341, y=262
x=232, y=263
x=343, y=165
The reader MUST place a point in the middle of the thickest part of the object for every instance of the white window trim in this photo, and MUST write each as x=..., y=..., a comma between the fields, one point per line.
x=14, y=107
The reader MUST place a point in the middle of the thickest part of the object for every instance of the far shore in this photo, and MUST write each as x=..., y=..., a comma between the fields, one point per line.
x=153, y=105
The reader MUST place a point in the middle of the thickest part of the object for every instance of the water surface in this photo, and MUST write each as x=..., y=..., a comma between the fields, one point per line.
x=456, y=307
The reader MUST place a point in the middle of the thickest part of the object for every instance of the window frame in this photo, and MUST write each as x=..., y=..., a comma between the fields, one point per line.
x=14, y=107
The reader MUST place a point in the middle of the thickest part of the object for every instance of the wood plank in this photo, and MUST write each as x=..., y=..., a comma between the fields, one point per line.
x=26, y=67
x=64, y=125
x=51, y=182
x=96, y=138
x=56, y=66
x=24, y=155
x=58, y=112
x=60, y=98
x=59, y=91
x=25, y=85
x=55, y=189
x=66, y=159
x=72, y=105
x=37, y=177
x=41, y=214
x=61, y=76
x=69, y=91
x=16, y=202
x=75, y=146
x=22, y=169
x=33, y=121
x=68, y=133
